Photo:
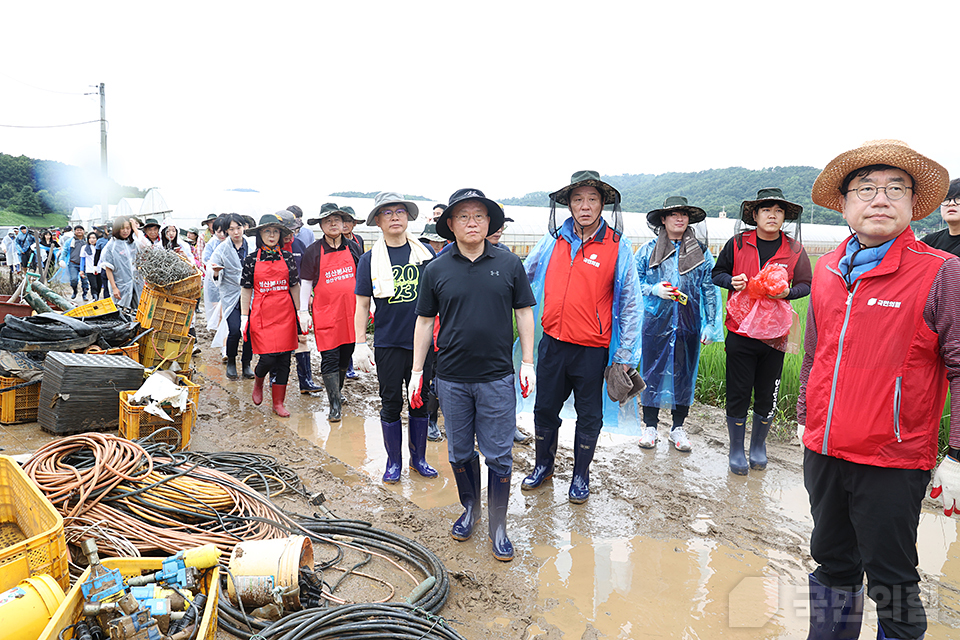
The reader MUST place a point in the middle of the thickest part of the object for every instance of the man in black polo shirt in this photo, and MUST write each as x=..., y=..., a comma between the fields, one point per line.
x=476, y=289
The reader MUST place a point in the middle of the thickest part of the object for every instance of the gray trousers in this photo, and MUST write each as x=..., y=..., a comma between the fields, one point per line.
x=485, y=412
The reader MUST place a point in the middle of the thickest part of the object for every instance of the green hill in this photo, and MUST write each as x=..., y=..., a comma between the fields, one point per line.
x=717, y=189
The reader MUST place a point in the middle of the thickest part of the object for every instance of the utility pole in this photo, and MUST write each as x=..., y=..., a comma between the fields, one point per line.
x=104, y=207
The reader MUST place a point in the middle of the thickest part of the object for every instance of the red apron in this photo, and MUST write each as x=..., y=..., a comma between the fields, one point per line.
x=273, y=320
x=334, y=300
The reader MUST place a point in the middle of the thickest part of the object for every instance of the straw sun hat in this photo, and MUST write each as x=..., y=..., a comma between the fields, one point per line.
x=930, y=180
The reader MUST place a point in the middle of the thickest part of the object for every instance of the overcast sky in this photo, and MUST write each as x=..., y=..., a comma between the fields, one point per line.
x=298, y=98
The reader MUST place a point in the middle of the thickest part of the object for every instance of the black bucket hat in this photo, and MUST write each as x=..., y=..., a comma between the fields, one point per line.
x=151, y=222
x=671, y=204
x=586, y=178
x=748, y=208
x=268, y=220
x=350, y=212
x=326, y=211
x=461, y=195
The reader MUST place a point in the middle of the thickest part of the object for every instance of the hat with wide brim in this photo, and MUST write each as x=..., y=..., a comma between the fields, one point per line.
x=350, y=212
x=194, y=230
x=430, y=233
x=462, y=195
x=675, y=203
x=326, y=211
x=748, y=208
x=151, y=222
x=268, y=220
x=209, y=219
x=390, y=197
x=289, y=220
x=586, y=178
x=930, y=180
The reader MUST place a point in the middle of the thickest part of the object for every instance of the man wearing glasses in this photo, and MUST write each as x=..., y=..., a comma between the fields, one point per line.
x=390, y=273
x=882, y=340
x=948, y=239
x=478, y=290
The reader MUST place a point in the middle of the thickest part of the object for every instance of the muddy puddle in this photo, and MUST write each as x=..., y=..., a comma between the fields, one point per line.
x=669, y=545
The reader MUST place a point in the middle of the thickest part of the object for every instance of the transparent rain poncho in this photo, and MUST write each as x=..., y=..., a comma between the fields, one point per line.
x=120, y=256
x=671, y=331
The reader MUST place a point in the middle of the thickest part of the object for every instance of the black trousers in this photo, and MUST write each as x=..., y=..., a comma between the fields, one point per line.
x=752, y=368
x=865, y=520
x=338, y=359
x=679, y=413
x=563, y=367
x=94, y=279
x=393, y=373
x=277, y=363
x=233, y=338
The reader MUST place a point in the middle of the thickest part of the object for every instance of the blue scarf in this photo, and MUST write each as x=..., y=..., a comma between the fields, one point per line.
x=856, y=261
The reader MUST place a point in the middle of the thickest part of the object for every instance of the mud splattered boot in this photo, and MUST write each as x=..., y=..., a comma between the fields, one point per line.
x=546, y=447
x=498, y=495
x=738, y=461
x=246, y=371
x=758, y=442
x=343, y=379
x=392, y=442
x=305, y=374
x=584, y=446
x=467, y=476
x=418, y=448
x=330, y=381
x=278, y=394
x=257, y=391
x=232, y=369
x=835, y=614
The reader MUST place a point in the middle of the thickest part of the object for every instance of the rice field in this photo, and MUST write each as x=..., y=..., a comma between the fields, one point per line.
x=711, y=382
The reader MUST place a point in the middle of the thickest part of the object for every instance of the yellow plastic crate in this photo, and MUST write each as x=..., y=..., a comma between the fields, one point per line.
x=92, y=309
x=19, y=405
x=157, y=348
x=31, y=531
x=165, y=313
x=136, y=423
x=131, y=351
x=72, y=606
x=190, y=287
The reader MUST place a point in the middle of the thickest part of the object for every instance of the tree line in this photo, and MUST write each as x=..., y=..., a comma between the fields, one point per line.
x=716, y=190
x=37, y=187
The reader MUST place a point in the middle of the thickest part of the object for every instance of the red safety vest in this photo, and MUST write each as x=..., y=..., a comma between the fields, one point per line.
x=334, y=301
x=876, y=389
x=746, y=260
x=578, y=293
x=272, y=325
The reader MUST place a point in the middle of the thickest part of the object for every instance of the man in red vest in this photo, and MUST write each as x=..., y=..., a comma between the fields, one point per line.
x=754, y=365
x=882, y=339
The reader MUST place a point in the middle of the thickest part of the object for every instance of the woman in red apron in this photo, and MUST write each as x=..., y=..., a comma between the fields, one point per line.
x=329, y=270
x=269, y=297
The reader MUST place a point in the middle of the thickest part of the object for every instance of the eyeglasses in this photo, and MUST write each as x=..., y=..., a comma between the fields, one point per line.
x=464, y=218
x=390, y=213
x=951, y=201
x=868, y=192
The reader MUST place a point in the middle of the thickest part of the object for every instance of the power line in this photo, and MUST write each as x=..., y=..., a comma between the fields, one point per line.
x=45, y=126
x=65, y=93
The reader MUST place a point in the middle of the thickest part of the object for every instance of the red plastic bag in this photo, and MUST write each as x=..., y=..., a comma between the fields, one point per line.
x=761, y=317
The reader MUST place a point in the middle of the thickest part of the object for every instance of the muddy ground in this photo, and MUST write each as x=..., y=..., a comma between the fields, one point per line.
x=670, y=544
x=567, y=578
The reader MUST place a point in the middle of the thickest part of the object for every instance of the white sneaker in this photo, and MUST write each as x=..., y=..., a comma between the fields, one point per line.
x=649, y=438
x=679, y=439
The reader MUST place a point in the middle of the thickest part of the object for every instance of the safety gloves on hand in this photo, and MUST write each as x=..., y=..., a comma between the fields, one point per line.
x=304, y=317
x=663, y=290
x=363, y=357
x=946, y=485
x=243, y=325
x=413, y=389
x=528, y=378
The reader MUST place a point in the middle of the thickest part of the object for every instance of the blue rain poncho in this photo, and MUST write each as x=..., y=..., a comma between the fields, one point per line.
x=672, y=331
x=120, y=256
x=625, y=333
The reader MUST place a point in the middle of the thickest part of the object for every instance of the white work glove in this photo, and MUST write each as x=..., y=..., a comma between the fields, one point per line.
x=946, y=485
x=663, y=290
x=705, y=337
x=363, y=357
x=243, y=324
x=528, y=378
x=800, y=430
x=413, y=389
x=304, y=317
x=63, y=265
